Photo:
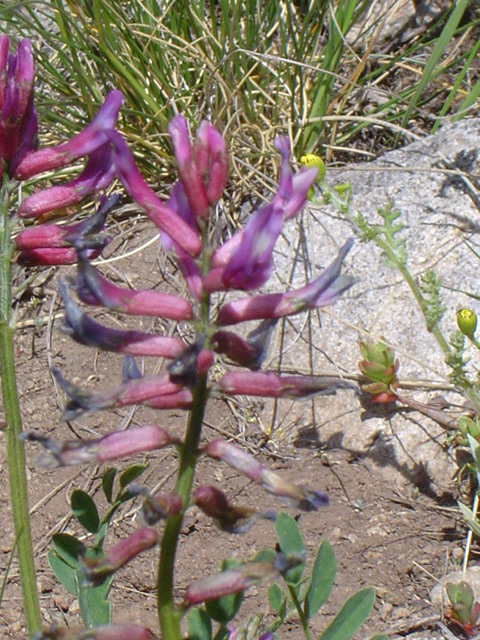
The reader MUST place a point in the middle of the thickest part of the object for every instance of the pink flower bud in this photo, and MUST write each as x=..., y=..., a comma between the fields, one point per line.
x=97, y=175
x=235, y=580
x=97, y=569
x=150, y=388
x=190, y=177
x=83, y=144
x=92, y=288
x=271, y=384
x=110, y=632
x=113, y=446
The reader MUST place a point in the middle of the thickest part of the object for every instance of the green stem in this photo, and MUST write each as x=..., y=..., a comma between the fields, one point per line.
x=169, y=615
x=301, y=614
x=15, y=447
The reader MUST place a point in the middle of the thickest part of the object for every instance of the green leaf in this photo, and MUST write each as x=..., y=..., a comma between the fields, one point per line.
x=224, y=609
x=291, y=543
x=475, y=449
x=108, y=479
x=276, y=597
x=199, y=625
x=472, y=522
x=68, y=548
x=351, y=616
x=64, y=573
x=85, y=510
x=323, y=576
x=94, y=606
x=131, y=474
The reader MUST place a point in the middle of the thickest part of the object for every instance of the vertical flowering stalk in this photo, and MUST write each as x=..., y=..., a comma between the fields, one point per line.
x=243, y=263
x=19, y=159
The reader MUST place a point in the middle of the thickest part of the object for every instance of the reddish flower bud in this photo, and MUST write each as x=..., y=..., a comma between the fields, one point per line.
x=228, y=517
x=98, y=569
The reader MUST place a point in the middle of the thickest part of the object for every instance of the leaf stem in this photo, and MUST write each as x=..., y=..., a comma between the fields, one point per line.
x=11, y=406
x=301, y=614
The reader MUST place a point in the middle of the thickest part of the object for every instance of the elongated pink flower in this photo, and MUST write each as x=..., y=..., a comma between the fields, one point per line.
x=245, y=463
x=97, y=175
x=87, y=331
x=251, y=263
x=104, y=632
x=83, y=144
x=52, y=244
x=98, y=569
x=163, y=216
x=235, y=580
x=270, y=384
x=18, y=118
x=322, y=292
x=113, y=446
x=92, y=288
x=151, y=388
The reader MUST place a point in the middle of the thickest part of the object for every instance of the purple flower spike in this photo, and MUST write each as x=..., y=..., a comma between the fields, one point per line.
x=114, y=446
x=269, y=384
x=97, y=570
x=83, y=144
x=163, y=216
x=296, y=495
x=322, y=292
x=87, y=331
x=97, y=175
x=93, y=289
x=107, y=632
x=18, y=120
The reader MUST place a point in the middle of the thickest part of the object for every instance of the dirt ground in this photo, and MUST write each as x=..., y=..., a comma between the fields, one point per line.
x=391, y=524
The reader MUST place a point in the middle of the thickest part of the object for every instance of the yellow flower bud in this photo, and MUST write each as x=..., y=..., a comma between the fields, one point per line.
x=467, y=322
x=312, y=160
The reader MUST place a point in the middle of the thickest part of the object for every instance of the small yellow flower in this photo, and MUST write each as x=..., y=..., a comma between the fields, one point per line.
x=312, y=160
x=467, y=322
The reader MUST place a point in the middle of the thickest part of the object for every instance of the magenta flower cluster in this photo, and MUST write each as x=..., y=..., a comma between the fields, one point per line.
x=243, y=263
